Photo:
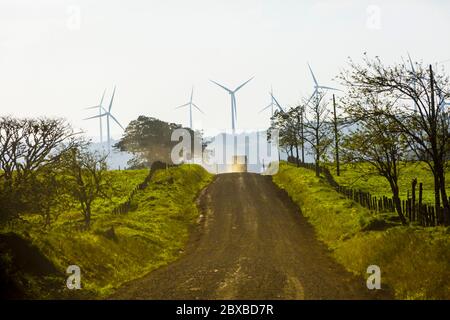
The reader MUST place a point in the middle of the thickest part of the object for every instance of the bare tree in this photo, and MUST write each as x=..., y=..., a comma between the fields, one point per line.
x=26, y=147
x=317, y=128
x=419, y=110
x=336, y=124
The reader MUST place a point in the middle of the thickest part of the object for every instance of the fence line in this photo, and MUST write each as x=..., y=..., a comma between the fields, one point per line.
x=126, y=206
x=415, y=211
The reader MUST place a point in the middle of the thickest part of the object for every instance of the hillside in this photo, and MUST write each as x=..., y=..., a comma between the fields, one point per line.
x=117, y=248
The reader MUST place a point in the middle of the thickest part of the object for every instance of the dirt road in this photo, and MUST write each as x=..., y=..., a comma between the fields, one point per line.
x=252, y=244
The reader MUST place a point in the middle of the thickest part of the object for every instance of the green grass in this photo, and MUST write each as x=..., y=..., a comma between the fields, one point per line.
x=151, y=235
x=414, y=261
x=363, y=176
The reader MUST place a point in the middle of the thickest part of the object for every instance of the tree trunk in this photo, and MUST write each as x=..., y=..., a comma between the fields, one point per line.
x=302, y=137
x=398, y=203
x=47, y=218
x=87, y=216
x=437, y=189
x=317, y=165
x=336, y=138
x=445, y=203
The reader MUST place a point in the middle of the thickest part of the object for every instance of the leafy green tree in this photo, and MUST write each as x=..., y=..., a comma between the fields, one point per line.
x=48, y=193
x=282, y=122
x=149, y=140
x=291, y=131
x=86, y=179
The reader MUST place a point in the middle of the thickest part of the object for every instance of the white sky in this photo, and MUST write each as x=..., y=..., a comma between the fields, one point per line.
x=154, y=51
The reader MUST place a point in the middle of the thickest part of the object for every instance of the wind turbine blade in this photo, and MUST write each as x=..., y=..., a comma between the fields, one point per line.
x=184, y=105
x=411, y=63
x=312, y=74
x=192, y=93
x=328, y=88
x=94, y=107
x=103, y=96
x=265, y=108
x=195, y=106
x=112, y=98
x=229, y=91
x=311, y=97
x=276, y=102
x=97, y=116
x=116, y=121
x=243, y=84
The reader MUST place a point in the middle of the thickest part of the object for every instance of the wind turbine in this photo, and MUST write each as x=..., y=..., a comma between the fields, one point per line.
x=190, y=104
x=276, y=103
x=100, y=107
x=317, y=87
x=233, y=101
x=272, y=104
x=107, y=114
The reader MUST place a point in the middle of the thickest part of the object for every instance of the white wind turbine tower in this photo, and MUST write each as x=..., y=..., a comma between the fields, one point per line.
x=317, y=87
x=233, y=101
x=190, y=104
x=100, y=108
x=107, y=114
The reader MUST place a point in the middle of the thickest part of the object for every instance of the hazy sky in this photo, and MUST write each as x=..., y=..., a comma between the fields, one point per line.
x=57, y=57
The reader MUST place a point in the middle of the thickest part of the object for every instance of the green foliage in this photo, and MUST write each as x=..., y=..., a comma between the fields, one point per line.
x=146, y=238
x=415, y=262
x=149, y=140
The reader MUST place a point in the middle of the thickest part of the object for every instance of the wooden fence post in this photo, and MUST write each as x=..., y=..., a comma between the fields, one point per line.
x=420, y=213
x=414, y=183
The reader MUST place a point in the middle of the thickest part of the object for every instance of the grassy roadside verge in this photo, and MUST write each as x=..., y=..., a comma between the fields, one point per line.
x=362, y=176
x=152, y=234
x=415, y=262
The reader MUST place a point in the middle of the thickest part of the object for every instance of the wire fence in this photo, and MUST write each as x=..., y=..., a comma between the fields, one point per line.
x=413, y=207
x=126, y=206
